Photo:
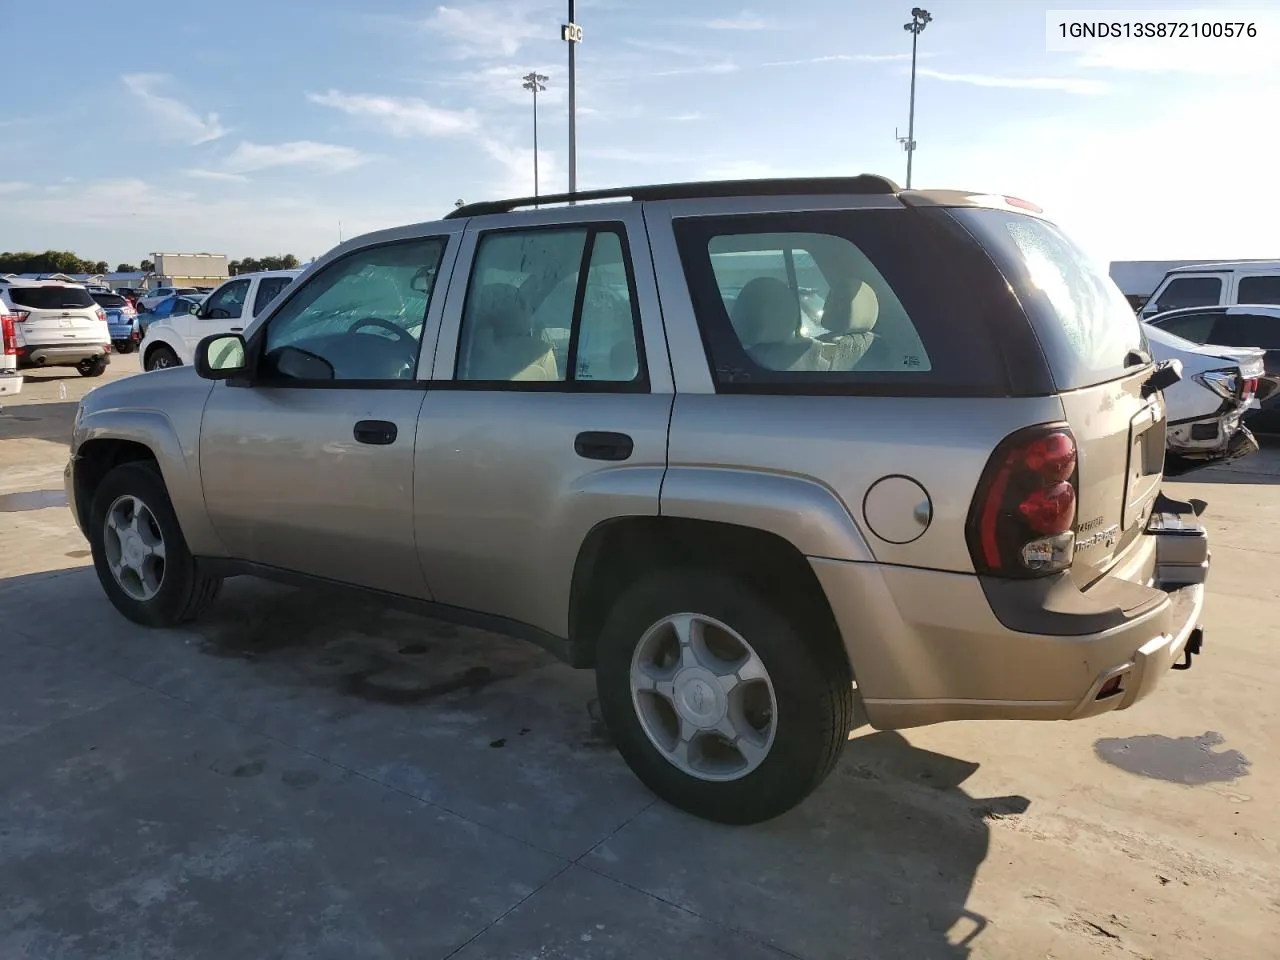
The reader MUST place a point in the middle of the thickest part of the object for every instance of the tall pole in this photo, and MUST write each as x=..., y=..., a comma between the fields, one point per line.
x=919, y=20
x=534, y=81
x=571, y=34
x=910, y=114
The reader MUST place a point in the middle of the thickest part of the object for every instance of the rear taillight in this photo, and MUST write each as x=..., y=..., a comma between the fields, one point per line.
x=9, y=334
x=102, y=315
x=1250, y=388
x=1023, y=514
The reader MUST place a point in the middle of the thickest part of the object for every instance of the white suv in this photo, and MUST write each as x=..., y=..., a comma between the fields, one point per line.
x=56, y=324
x=171, y=341
x=153, y=297
x=1216, y=284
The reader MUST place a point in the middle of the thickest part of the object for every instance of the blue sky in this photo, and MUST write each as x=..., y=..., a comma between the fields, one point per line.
x=255, y=127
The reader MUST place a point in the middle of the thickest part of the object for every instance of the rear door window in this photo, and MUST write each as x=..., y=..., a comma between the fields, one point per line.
x=834, y=302
x=1196, y=327
x=1259, y=289
x=268, y=289
x=1086, y=327
x=1189, y=292
x=51, y=297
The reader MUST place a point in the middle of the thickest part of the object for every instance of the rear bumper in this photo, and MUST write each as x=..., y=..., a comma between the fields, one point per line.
x=10, y=383
x=928, y=646
x=1214, y=437
x=60, y=354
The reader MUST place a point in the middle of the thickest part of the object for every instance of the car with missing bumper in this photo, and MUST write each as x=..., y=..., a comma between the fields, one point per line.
x=929, y=493
x=1206, y=408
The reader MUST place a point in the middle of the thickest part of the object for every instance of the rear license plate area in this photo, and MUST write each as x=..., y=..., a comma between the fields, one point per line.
x=1146, y=462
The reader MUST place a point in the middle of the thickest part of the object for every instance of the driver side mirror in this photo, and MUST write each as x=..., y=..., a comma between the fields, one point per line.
x=220, y=356
x=193, y=309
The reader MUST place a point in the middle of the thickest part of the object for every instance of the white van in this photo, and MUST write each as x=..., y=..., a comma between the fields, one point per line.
x=1216, y=284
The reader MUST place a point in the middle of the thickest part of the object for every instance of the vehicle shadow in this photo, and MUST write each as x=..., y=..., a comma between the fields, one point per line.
x=1262, y=467
x=879, y=862
x=40, y=421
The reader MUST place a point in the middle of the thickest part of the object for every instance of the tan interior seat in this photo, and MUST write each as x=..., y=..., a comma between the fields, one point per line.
x=766, y=317
x=503, y=345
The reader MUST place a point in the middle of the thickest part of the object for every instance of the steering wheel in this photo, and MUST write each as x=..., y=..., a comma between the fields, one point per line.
x=387, y=325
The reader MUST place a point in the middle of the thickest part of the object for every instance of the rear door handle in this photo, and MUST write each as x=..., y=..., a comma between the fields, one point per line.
x=603, y=445
x=377, y=432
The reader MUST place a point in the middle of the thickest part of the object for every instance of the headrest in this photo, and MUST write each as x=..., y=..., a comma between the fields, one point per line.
x=500, y=308
x=766, y=311
x=851, y=307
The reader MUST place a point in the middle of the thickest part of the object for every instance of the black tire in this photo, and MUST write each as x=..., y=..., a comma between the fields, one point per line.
x=92, y=368
x=184, y=594
x=124, y=346
x=814, y=695
x=161, y=358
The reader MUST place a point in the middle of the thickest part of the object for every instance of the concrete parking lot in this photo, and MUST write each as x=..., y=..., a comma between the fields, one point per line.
x=301, y=777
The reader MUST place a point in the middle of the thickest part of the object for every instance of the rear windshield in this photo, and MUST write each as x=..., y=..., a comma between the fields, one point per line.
x=109, y=300
x=1085, y=325
x=186, y=290
x=832, y=302
x=51, y=297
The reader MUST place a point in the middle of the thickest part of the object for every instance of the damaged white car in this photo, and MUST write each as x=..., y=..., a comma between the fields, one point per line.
x=1205, y=407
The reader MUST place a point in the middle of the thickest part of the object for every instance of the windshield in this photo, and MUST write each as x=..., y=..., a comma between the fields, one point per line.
x=51, y=297
x=1086, y=326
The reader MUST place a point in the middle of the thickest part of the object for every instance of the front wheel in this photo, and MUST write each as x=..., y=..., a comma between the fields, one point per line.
x=139, y=552
x=722, y=702
x=92, y=368
x=161, y=358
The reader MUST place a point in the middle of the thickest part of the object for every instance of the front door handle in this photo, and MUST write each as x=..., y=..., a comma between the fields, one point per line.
x=378, y=432
x=603, y=445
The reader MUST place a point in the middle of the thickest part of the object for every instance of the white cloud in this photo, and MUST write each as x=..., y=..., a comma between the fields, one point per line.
x=516, y=179
x=491, y=30
x=402, y=116
x=846, y=58
x=1207, y=60
x=746, y=20
x=325, y=157
x=1074, y=85
x=720, y=67
x=13, y=186
x=122, y=220
x=685, y=117
x=221, y=175
x=176, y=118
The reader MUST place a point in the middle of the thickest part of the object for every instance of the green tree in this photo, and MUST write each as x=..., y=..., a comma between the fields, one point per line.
x=286, y=261
x=146, y=266
x=99, y=266
x=126, y=268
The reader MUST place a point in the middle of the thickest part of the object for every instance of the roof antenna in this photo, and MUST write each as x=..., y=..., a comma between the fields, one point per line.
x=339, y=232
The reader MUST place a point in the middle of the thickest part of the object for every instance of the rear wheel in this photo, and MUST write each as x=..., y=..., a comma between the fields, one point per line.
x=124, y=346
x=719, y=699
x=92, y=368
x=139, y=552
x=161, y=357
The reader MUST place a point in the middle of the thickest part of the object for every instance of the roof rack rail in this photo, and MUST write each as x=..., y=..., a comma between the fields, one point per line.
x=793, y=186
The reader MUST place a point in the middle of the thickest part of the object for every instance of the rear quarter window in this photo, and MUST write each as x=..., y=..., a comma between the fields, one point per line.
x=1086, y=327
x=1259, y=289
x=854, y=301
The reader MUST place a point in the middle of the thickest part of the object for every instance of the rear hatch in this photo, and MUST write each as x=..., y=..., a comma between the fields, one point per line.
x=1098, y=356
x=59, y=314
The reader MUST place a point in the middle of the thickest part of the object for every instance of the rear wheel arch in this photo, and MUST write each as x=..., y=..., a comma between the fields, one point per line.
x=618, y=552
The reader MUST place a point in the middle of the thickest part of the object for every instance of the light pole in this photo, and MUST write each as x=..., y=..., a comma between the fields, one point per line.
x=571, y=34
x=919, y=20
x=535, y=82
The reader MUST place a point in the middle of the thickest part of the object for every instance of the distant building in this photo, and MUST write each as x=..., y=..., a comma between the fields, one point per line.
x=113, y=280
x=189, y=269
